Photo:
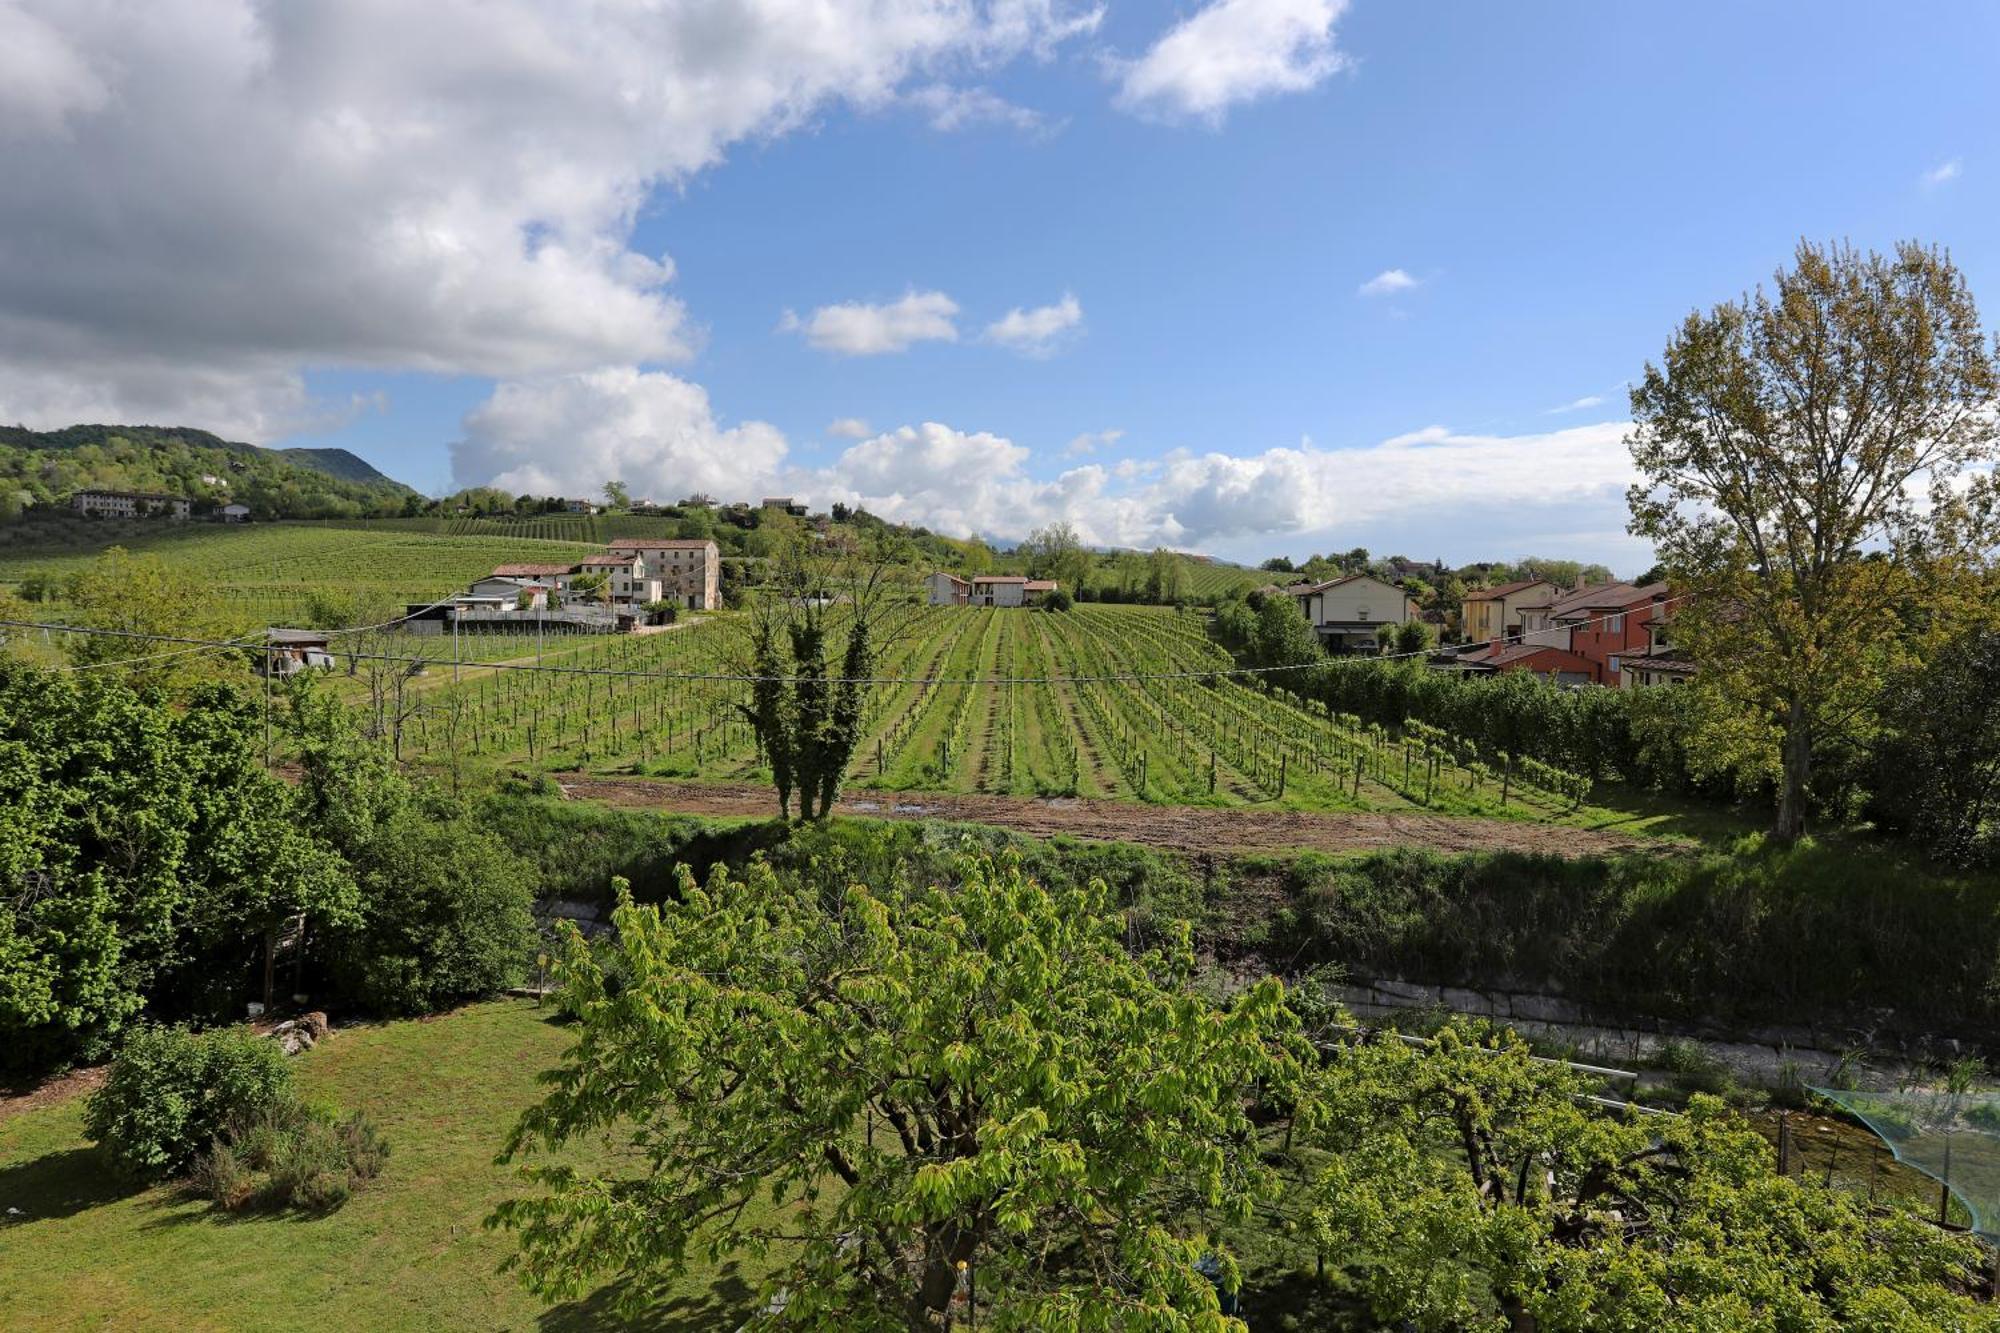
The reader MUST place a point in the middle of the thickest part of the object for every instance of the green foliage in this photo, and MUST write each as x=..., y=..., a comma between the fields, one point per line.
x=290, y=1153
x=1059, y=600
x=171, y=1092
x=1471, y=1188
x=139, y=595
x=1937, y=770
x=1759, y=934
x=145, y=852
x=274, y=483
x=1281, y=637
x=1815, y=464
x=443, y=906
x=980, y=1075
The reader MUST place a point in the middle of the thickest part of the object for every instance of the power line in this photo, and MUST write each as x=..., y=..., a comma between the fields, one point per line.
x=627, y=673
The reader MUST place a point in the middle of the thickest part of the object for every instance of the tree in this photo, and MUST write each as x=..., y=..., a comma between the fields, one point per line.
x=1056, y=552
x=1469, y=1186
x=1167, y=580
x=140, y=595
x=1281, y=636
x=592, y=587
x=807, y=720
x=1801, y=454
x=1938, y=764
x=1412, y=636
x=1277, y=564
x=616, y=495
x=878, y=1089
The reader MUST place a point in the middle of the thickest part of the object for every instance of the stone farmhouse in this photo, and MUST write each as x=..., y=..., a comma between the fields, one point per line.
x=128, y=504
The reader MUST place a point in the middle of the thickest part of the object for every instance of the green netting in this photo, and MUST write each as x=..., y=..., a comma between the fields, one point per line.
x=1952, y=1137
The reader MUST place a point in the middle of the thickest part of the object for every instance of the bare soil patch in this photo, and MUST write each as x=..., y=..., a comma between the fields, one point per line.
x=50, y=1091
x=1176, y=828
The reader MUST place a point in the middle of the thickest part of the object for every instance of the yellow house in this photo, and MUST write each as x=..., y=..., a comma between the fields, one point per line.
x=1495, y=613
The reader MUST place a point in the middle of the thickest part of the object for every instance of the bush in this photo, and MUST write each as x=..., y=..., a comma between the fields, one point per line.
x=1058, y=600
x=293, y=1154
x=172, y=1091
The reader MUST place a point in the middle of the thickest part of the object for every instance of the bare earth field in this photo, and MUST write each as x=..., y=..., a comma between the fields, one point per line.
x=1175, y=828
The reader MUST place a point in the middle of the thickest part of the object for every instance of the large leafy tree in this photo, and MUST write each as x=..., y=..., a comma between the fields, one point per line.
x=137, y=595
x=1470, y=1186
x=1804, y=456
x=144, y=853
x=876, y=1091
x=1056, y=552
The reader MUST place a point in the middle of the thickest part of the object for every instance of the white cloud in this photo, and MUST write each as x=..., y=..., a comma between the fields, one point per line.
x=950, y=108
x=848, y=428
x=1037, y=332
x=226, y=192
x=1388, y=282
x=1091, y=441
x=1944, y=173
x=856, y=328
x=569, y=434
x=1589, y=400
x=1232, y=51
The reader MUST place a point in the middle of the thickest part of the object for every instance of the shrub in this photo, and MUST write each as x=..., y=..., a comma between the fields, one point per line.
x=306, y=1155
x=1057, y=600
x=172, y=1091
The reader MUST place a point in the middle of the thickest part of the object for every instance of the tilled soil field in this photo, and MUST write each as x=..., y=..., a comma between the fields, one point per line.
x=1176, y=828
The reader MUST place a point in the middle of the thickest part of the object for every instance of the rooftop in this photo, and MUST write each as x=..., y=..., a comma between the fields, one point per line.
x=528, y=571
x=1499, y=590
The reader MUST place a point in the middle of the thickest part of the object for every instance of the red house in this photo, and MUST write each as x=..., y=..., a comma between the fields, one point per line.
x=1609, y=622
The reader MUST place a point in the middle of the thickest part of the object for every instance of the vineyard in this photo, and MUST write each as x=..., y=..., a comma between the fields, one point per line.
x=1105, y=701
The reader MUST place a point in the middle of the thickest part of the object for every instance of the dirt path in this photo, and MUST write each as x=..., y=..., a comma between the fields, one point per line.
x=1177, y=828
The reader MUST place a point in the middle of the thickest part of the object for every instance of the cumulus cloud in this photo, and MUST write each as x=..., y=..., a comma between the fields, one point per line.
x=227, y=192
x=1039, y=331
x=857, y=328
x=1944, y=173
x=848, y=428
x=1389, y=282
x=1232, y=51
x=568, y=434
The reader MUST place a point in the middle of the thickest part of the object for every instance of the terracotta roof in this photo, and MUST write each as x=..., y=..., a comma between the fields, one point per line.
x=607, y=562
x=1607, y=597
x=1000, y=578
x=1499, y=590
x=1041, y=585
x=528, y=571
x=1667, y=662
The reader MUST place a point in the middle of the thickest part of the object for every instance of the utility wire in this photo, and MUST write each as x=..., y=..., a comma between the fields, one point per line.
x=1124, y=677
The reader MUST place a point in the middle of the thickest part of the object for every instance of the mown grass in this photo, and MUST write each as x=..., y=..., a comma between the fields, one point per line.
x=407, y=1251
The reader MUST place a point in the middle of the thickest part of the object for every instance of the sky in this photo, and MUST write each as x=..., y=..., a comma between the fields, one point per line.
x=1247, y=277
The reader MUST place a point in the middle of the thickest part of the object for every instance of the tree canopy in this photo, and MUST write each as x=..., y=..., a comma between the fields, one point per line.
x=1812, y=464
x=979, y=1079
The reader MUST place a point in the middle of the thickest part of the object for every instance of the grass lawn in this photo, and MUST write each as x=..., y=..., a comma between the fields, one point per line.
x=407, y=1252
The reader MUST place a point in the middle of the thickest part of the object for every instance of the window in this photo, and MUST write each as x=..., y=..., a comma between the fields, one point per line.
x=1614, y=624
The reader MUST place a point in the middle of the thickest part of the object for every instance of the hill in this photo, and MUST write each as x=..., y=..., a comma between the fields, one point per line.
x=42, y=468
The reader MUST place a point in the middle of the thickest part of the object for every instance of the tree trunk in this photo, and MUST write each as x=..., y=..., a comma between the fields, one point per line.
x=1797, y=771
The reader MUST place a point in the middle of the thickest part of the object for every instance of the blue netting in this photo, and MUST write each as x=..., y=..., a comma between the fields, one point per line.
x=1952, y=1137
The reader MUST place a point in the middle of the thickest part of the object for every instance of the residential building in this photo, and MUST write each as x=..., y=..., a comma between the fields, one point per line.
x=1660, y=664
x=785, y=503
x=1495, y=613
x=1558, y=664
x=948, y=589
x=233, y=513
x=1346, y=612
x=128, y=504
x=999, y=590
x=1610, y=623
x=579, y=507
x=687, y=570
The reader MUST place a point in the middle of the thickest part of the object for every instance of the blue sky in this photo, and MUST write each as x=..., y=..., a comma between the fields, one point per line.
x=1557, y=184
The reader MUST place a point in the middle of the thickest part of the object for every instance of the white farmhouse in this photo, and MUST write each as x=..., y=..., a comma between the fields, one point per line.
x=948, y=589
x=1346, y=612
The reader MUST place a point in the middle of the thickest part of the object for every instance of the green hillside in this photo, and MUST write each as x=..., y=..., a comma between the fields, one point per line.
x=42, y=468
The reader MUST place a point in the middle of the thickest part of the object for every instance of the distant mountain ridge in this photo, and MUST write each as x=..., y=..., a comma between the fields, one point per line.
x=45, y=467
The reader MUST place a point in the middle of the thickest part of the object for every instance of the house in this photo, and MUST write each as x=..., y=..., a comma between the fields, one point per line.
x=686, y=571
x=1558, y=664
x=128, y=504
x=1660, y=664
x=1035, y=590
x=1347, y=611
x=999, y=590
x=1610, y=622
x=233, y=513
x=287, y=652
x=579, y=507
x=948, y=589
x=1495, y=612
x=785, y=503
